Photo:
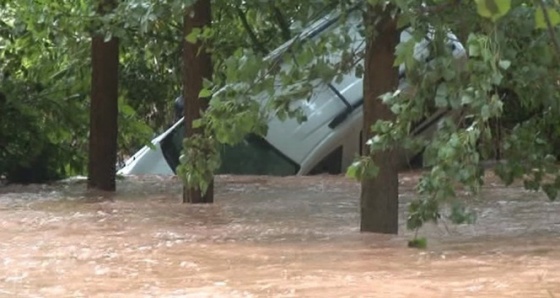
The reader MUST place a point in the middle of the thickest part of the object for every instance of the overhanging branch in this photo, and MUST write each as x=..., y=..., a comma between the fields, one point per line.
x=550, y=27
x=258, y=45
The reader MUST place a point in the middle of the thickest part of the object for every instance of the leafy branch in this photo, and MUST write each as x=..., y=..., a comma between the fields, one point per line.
x=550, y=27
x=243, y=17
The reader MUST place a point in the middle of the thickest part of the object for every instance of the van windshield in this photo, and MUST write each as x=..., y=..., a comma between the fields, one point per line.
x=253, y=156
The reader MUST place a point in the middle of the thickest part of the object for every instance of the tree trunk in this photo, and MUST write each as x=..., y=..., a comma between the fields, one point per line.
x=103, y=110
x=197, y=65
x=379, y=197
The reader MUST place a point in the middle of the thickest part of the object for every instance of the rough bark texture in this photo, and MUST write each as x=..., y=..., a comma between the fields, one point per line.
x=197, y=65
x=379, y=197
x=103, y=112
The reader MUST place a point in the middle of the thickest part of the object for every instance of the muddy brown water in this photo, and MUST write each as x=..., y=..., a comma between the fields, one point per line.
x=266, y=237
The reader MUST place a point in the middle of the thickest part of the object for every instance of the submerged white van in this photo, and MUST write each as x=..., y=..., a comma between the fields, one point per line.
x=328, y=141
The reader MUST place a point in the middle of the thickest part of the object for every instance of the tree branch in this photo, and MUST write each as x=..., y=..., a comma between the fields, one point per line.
x=284, y=26
x=258, y=45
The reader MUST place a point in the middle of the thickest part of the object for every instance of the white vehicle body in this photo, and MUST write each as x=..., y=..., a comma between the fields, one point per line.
x=331, y=134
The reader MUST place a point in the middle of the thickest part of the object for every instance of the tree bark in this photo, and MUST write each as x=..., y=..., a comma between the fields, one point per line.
x=103, y=110
x=197, y=65
x=379, y=196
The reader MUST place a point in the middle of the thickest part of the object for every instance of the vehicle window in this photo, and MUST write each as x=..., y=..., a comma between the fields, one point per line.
x=331, y=164
x=254, y=156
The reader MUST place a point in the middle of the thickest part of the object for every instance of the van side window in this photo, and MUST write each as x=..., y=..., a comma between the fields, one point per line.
x=331, y=164
x=254, y=156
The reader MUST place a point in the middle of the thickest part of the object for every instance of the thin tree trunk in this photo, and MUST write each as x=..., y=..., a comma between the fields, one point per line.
x=379, y=196
x=197, y=64
x=103, y=110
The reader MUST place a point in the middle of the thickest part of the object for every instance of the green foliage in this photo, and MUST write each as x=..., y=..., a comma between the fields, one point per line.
x=541, y=16
x=362, y=168
x=44, y=66
x=420, y=243
x=42, y=84
x=493, y=9
x=510, y=63
x=251, y=86
x=422, y=211
x=199, y=162
x=460, y=214
x=44, y=69
x=510, y=76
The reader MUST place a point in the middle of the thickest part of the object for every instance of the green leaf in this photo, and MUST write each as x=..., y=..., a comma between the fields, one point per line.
x=466, y=99
x=485, y=112
x=126, y=110
x=197, y=123
x=204, y=93
x=540, y=21
x=493, y=9
x=441, y=96
x=353, y=170
x=504, y=64
x=474, y=49
x=192, y=37
x=363, y=168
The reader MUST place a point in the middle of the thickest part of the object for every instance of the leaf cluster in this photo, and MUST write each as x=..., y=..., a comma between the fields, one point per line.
x=500, y=101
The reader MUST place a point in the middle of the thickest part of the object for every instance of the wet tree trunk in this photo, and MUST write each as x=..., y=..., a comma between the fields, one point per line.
x=197, y=65
x=103, y=110
x=379, y=197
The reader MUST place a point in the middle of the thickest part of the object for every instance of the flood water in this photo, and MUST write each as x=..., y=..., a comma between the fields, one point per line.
x=266, y=237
